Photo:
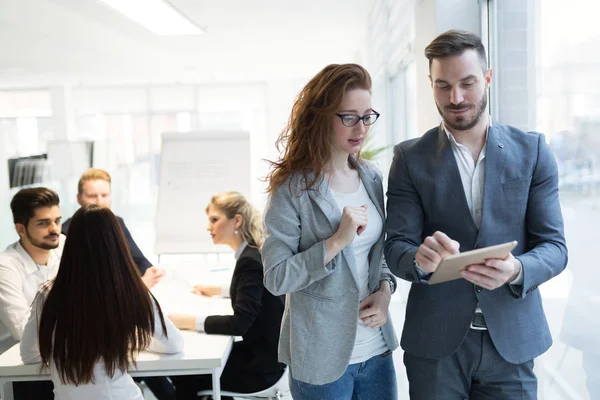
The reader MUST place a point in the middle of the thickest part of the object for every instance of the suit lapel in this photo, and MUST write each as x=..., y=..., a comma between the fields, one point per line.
x=447, y=162
x=371, y=185
x=325, y=201
x=495, y=156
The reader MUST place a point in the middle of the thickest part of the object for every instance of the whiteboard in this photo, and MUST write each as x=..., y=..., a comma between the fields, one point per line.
x=193, y=167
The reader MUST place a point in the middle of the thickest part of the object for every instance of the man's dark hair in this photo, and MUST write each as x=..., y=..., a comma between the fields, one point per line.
x=26, y=201
x=454, y=43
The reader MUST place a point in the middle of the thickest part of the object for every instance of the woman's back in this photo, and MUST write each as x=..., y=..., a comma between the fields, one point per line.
x=88, y=325
x=118, y=386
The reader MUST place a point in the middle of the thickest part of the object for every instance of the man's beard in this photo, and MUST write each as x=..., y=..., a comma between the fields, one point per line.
x=463, y=125
x=40, y=244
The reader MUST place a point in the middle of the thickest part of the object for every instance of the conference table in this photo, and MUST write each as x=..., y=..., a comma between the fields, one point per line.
x=202, y=354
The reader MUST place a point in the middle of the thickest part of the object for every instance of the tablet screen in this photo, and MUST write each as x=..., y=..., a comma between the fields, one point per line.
x=450, y=268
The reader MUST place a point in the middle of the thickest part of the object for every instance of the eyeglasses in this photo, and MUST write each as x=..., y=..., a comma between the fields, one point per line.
x=351, y=120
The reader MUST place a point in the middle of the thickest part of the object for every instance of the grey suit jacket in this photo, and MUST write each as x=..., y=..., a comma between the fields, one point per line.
x=320, y=318
x=520, y=202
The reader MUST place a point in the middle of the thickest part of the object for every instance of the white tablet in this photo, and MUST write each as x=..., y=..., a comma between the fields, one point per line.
x=451, y=266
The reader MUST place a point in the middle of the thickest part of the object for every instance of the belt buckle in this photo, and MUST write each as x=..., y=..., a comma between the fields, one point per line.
x=479, y=325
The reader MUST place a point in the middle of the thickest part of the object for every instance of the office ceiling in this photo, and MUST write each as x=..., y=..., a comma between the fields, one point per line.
x=84, y=42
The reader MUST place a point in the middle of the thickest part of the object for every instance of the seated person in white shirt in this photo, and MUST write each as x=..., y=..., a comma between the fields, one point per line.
x=87, y=325
x=26, y=264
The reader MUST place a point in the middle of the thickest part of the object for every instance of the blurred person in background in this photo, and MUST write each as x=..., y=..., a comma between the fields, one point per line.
x=252, y=365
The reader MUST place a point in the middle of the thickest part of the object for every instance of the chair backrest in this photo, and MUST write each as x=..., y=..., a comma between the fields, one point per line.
x=282, y=386
x=279, y=388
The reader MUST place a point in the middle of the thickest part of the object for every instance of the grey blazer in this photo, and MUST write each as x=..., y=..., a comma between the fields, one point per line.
x=520, y=202
x=321, y=311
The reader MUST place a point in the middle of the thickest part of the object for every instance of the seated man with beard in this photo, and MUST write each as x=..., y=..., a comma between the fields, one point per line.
x=26, y=264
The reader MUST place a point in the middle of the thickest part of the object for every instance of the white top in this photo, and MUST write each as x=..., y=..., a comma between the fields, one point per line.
x=118, y=387
x=369, y=342
x=20, y=278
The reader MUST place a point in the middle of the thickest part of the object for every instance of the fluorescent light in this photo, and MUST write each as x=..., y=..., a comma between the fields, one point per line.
x=156, y=15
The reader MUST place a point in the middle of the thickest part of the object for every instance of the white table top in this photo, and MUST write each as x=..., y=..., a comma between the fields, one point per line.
x=201, y=351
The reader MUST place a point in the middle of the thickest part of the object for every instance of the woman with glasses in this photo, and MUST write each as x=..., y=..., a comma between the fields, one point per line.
x=88, y=324
x=324, y=244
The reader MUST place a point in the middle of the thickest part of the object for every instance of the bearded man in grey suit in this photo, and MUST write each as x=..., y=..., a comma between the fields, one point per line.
x=468, y=183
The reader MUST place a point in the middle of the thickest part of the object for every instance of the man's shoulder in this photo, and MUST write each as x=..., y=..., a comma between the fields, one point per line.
x=426, y=142
x=515, y=134
x=11, y=258
x=121, y=222
x=61, y=245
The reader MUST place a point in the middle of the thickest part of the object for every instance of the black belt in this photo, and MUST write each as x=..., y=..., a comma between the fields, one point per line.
x=478, y=322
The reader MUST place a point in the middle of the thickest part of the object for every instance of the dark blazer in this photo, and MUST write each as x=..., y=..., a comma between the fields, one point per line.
x=256, y=318
x=520, y=202
x=142, y=262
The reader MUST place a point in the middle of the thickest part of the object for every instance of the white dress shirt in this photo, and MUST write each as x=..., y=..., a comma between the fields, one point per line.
x=120, y=386
x=20, y=278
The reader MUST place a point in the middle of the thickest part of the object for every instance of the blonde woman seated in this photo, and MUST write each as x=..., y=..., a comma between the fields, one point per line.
x=252, y=365
x=88, y=324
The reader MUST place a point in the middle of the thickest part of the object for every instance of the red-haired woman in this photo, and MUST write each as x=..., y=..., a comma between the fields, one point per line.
x=324, y=244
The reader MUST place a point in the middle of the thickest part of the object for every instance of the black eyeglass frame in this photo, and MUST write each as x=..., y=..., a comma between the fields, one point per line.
x=377, y=115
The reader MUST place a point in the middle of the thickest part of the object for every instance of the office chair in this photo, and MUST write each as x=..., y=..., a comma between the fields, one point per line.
x=275, y=392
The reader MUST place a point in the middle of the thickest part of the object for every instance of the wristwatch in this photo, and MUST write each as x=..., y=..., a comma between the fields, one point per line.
x=422, y=274
x=390, y=281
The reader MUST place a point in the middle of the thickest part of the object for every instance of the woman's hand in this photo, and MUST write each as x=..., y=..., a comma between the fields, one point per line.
x=374, y=309
x=152, y=276
x=185, y=322
x=206, y=290
x=354, y=222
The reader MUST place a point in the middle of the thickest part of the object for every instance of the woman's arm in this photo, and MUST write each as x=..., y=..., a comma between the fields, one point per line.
x=170, y=343
x=30, y=347
x=249, y=289
x=286, y=269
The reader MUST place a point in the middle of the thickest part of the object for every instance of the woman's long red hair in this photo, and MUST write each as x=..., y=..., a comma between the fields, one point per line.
x=305, y=142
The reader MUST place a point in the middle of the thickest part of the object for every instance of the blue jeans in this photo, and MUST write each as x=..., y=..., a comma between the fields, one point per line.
x=373, y=379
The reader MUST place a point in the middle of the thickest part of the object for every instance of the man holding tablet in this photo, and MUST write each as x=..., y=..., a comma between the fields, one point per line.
x=467, y=184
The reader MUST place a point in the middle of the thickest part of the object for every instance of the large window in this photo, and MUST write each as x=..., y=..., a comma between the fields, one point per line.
x=547, y=68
